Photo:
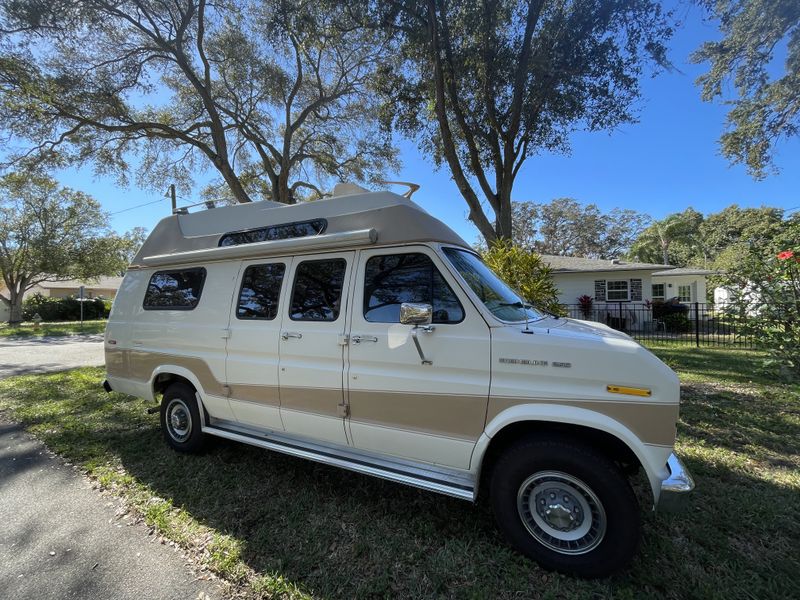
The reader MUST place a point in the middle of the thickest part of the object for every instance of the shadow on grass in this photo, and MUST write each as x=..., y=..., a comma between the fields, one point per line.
x=337, y=534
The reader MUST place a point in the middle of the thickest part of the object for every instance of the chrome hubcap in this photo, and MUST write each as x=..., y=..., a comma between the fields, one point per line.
x=179, y=420
x=561, y=512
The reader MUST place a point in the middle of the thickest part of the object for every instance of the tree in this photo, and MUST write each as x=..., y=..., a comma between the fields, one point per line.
x=273, y=96
x=565, y=227
x=526, y=272
x=670, y=241
x=486, y=85
x=766, y=107
x=52, y=233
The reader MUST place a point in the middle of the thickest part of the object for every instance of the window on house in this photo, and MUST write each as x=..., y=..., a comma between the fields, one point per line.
x=617, y=290
x=261, y=289
x=274, y=232
x=317, y=292
x=685, y=293
x=396, y=278
x=174, y=290
x=659, y=291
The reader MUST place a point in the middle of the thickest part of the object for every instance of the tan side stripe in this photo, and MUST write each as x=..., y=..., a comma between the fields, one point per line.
x=652, y=423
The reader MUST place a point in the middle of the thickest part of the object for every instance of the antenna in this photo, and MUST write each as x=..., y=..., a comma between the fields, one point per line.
x=412, y=187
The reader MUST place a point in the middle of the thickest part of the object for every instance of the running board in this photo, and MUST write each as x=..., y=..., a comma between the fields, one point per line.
x=427, y=477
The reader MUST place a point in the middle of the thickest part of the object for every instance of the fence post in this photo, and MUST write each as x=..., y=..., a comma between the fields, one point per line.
x=697, y=324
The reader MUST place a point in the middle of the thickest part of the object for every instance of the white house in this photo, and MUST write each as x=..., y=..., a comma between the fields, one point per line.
x=102, y=287
x=687, y=284
x=621, y=289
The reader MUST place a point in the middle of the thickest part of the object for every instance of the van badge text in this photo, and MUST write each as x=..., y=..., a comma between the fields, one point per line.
x=524, y=361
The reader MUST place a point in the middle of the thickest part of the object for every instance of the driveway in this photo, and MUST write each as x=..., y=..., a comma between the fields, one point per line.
x=59, y=538
x=37, y=355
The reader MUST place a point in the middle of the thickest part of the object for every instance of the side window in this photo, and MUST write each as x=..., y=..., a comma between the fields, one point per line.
x=396, y=278
x=174, y=290
x=260, y=291
x=274, y=232
x=317, y=291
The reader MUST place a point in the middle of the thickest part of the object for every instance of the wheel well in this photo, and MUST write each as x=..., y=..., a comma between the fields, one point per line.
x=164, y=380
x=608, y=444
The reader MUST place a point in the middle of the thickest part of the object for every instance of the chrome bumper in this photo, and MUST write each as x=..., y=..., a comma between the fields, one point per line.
x=675, y=487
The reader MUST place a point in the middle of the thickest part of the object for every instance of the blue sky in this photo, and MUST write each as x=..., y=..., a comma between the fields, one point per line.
x=664, y=163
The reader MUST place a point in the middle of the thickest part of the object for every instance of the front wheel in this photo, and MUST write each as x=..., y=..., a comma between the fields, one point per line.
x=566, y=506
x=180, y=419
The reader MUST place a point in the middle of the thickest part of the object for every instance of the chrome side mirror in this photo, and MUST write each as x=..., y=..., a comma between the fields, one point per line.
x=416, y=313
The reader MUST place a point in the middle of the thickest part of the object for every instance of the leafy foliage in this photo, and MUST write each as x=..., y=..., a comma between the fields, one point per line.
x=64, y=309
x=767, y=106
x=567, y=228
x=486, y=85
x=52, y=233
x=525, y=271
x=767, y=289
x=273, y=96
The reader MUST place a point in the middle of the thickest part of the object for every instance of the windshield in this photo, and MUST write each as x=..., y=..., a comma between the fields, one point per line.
x=501, y=300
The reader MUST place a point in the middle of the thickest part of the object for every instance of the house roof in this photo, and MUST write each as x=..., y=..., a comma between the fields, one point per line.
x=576, y=264
x=101, y=283
x=677, y=272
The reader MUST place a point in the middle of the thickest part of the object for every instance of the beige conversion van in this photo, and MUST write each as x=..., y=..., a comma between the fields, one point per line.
x=361, y=332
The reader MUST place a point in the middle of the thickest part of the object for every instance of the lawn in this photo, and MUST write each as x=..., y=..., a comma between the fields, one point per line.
x=63, y=328
x=275, y=526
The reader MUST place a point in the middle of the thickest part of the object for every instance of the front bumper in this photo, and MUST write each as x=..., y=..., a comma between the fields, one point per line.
x=674, y=489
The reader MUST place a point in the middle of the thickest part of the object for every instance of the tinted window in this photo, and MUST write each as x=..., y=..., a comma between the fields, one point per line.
x=391, y=280
x=274, y=232
x=174, y=290
x=261, y=289
x=317, y=292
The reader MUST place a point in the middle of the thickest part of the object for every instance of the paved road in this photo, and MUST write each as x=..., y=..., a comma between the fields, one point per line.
x=49, y=354
x=59, y=538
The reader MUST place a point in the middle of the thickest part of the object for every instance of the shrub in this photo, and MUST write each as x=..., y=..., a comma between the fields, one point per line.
x=526, y=272
x=677, y=322
x=766, y=294
x=64, y=309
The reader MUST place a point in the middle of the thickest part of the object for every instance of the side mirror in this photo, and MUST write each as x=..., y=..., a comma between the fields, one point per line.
x=416, y=313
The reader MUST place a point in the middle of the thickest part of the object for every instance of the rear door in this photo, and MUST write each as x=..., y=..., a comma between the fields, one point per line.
x=312, y=347
x=398, y=405
x=254, y=342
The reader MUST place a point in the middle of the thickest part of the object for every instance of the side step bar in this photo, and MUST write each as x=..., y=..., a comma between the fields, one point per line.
x=458, y=486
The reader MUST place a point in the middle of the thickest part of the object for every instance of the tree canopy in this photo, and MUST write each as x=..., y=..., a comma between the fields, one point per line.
x=486, y=85
x=766, y=107
x=566, y=227
x=273, y=96
x=52, y=233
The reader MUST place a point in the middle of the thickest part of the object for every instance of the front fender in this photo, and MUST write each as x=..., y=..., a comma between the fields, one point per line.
x=652, y=457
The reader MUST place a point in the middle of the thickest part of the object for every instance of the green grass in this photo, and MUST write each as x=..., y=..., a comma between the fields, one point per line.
x=28, y=329
x=275, y=526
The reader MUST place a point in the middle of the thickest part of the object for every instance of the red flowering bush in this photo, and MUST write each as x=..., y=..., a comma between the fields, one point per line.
x=766, y=292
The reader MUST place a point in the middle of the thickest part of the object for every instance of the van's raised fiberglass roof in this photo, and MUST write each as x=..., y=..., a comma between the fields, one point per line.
x=358, y=219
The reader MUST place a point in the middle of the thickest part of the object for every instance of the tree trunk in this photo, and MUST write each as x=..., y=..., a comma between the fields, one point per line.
x=15, y=316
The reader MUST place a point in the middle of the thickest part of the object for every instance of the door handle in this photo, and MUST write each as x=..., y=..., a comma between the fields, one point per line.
x=291, y=334
x=357, y=339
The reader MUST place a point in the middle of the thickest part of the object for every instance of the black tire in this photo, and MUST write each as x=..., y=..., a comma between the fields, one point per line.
x=180, y=419
x=530, y=470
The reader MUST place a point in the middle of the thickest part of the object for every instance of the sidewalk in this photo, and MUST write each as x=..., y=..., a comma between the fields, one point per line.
x=60, y=539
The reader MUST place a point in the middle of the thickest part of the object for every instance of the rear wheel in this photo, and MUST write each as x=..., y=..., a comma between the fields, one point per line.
x=180, y=419
x=566, y=506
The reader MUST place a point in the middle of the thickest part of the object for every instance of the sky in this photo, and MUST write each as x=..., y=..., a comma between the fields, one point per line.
x=666, y=162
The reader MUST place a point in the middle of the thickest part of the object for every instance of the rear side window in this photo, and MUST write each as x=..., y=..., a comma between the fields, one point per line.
x=260, y=292
x=179, y=289
x=317, y=291
x=396, y=278
x=274, y=232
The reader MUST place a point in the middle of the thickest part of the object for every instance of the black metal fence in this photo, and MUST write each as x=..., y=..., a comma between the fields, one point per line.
x=697, y=324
